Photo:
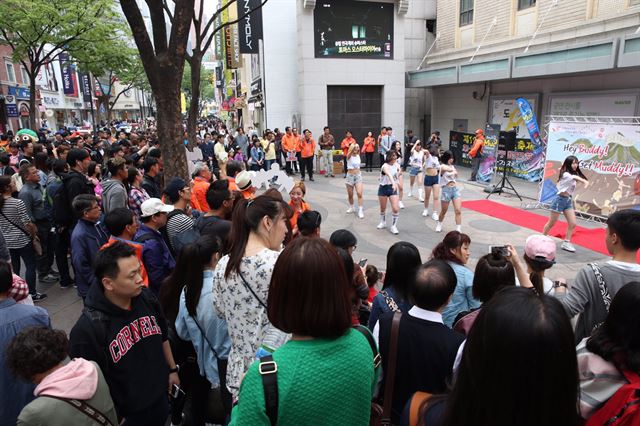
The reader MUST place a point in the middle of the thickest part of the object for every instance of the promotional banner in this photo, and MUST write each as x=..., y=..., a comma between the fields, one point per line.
x=505, y=112
x=85, y=84
x=251, y=26
x=231, y=41
x=529, y=117
x=68, y=85
x=609, y=156
x=524, y=164
x=218, y=39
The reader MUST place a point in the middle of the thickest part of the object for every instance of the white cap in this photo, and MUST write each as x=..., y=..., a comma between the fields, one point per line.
x=153, y=206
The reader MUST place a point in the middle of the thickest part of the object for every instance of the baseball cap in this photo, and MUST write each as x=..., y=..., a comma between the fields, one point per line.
x=479, y=131
x=174, y=187
x=243, y=180
x=153, y=206
x=540, y=247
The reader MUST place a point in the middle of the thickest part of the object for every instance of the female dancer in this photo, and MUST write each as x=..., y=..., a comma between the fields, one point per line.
x=354, y=178
x=416, y=162
x=368, y=147
x=388, y=190
x=450, y=192
x=397, y=146
x=431, y=181
x=563, y=203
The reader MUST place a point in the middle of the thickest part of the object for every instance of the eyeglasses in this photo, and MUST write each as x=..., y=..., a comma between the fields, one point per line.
x=92, y=208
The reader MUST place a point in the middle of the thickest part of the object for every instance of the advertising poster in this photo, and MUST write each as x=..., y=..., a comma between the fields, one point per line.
x=69, y=86
x=609, y=156
x=524, y=164
x=251, y=26
x=506, y=113
x=353, y=29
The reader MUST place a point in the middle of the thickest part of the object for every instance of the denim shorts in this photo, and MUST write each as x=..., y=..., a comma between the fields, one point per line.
x=449, y=193
x=431, y=180
x=386, y=191
x=415, y=171
x=353, y=180
x=562, y=203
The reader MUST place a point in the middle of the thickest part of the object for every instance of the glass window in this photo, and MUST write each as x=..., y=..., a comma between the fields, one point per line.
x=525, y=4
x=11, y=75
x=24, y=75
x=466, y=12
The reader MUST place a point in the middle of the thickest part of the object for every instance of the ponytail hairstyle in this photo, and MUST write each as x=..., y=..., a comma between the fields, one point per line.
x=538, y=266
x=451, y=242
x=566, y=167
x=247, y=217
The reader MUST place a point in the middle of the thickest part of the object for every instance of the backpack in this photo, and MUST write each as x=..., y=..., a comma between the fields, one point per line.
x=185, y=238
x=57, y=203
x=623, y=408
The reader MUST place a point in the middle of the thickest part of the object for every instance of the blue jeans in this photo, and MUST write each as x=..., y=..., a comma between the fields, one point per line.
x=28, y=256
x=268, y=163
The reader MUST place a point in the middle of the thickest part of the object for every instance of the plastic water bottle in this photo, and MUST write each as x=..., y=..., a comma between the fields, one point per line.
x=272, y=340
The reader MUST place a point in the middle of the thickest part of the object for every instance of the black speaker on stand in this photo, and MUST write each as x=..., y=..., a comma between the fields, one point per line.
x=506, y=143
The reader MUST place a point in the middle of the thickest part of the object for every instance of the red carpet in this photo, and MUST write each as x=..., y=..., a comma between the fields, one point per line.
x=592, y=239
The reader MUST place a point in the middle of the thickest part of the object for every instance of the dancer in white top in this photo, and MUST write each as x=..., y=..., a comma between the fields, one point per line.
x=397, y=146
x=388, y=190
x=354, y=178
x=431, y=182
x=450, y=191
x=416, y=164
x=570, y=173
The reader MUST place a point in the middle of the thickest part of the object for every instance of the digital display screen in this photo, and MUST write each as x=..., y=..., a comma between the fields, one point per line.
x=353, y=29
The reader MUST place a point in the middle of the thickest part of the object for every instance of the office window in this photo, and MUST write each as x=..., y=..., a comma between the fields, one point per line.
x=525, y=4
x=466, y=12
x=11, y=75
x=24, y=75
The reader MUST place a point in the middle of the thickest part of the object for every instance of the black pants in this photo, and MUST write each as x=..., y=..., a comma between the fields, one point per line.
x=28, y=256
x=295, y=165
x=48, y=249
x=369, y=160
x=382, y=158
x=306, y=164
x=62, y=243
x=475, y=165
x=156, y=414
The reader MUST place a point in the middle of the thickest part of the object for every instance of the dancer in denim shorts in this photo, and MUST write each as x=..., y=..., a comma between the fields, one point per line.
x=570, y=173
x=431, y=181
x=354, y=178
x=416, y=163
x=388, y=191
x=450, y=191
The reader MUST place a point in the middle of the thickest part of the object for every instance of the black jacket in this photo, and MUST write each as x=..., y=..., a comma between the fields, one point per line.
x=151, y=186
x=128, y=347
x=76, y=183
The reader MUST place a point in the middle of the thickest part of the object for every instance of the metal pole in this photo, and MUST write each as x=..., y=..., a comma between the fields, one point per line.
x=93, y=112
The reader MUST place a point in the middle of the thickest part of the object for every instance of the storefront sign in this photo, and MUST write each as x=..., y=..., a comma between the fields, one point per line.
x=593, y=105
x=19, y=92
x=51, y=101
x=10, y=104
x=231, y=40
x=85, y=83
x=256, y=87
x=251, y=26
x=68, y=76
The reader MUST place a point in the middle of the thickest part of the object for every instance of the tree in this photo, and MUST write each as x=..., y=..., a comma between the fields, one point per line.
x=38, y=31
x=207, y=90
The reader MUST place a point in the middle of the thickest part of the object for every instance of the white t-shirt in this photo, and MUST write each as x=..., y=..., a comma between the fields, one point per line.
x=353, y=163
x=448, y=177
x=416, y=159
x=432, y=162
x=567, y=183
x=393, y=171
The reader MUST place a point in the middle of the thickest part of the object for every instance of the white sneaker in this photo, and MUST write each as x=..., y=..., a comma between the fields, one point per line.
x=459, y=228
x=425, y=212
x=350, y=209
x=394, y=230
x=435, y=216
x=360, y=213
x=382, y=225
x=401, y=204
x=409, y=194
x=566, y=245
x=439, y=227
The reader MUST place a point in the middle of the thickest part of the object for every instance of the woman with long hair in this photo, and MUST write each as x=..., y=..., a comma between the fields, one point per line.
x=539, y=256
x=431, y=182
x=416, y=164
x=569, y=174
x=388, y=191
x=402, y=260
x=454, y=249
x=354, y=179
x=94, y=173
x=369, y=147
x=611, y=356
x=241, y=278
x=450, y=191
x=325, y=355
x=518, y=338
x=397, y=147
x=137, y=194
x=198, y=323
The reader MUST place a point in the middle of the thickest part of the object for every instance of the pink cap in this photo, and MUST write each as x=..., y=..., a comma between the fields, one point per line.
x=540, y=246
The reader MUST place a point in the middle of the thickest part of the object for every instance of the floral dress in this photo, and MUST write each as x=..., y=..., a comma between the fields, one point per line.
x=246, y=317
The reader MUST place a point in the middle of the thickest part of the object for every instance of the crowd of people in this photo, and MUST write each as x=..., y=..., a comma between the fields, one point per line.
x=205, y=302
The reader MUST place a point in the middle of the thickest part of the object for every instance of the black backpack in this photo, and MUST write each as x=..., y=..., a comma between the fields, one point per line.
x=61, y=206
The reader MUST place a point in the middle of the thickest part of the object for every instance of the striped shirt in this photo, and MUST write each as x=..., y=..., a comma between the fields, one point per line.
x=16, y=212
x=177, y=224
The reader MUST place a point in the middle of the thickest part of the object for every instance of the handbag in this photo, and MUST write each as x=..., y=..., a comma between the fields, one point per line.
x=35, y=240
x=384, y=417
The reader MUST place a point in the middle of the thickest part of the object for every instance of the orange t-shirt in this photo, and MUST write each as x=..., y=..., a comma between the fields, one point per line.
x=289, y=142
x=296, y=213
x=199, y=194
x=232, y=184
x=138, y=249
x=346, y=143
x=307, y=149
x=369, y=144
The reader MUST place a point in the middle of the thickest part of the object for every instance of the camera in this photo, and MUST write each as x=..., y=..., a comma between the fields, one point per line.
x=499, y=251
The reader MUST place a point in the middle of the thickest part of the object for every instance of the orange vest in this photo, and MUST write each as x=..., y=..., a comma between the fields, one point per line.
x=289, y=142
x=369, y=144
x=346, y=143
x=138, y=248
x=307, y=149
x=296, y=213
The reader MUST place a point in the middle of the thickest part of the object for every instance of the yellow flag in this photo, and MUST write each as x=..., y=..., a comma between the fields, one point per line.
x=183, y=103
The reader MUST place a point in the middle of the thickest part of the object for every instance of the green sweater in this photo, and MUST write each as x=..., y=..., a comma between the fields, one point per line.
x=320, y=382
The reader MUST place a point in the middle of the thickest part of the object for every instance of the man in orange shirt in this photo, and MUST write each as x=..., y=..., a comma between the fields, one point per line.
x=307, y=148
x=289, y=142
x=201, y=181
x=476, y=153
x=346, y=143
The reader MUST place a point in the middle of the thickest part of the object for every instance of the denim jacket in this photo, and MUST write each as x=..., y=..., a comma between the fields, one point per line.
x=462, y=299
x=214, y=327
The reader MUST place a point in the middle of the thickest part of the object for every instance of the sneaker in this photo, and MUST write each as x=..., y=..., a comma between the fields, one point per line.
x=566, y=245
x=409, y=194
x=382, y=225
x=302, y=179
x=311, y=179
x=48, y=279
x=326, y=176
x=401, y=204
x=350, y=210
x=425, y=212
x=435, y=216
x=332, y=175
x=439, y=227
x=360, y=214
x=66, y=286
x=37, y=297
x=394, y=230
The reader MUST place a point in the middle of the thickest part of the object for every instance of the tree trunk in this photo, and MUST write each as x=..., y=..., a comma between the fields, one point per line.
x=169, y=125
x=196, y=62
x=33, y=109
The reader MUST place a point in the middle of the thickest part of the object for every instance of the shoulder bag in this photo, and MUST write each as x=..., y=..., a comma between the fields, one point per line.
x=391, y=304
x=86, y=409
x=390, y=375
x=35, y=240
x=602, y=286
x=248, y=287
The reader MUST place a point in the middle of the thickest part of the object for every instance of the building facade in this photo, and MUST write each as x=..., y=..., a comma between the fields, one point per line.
x=14, y=93
x=571, y=57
